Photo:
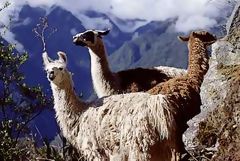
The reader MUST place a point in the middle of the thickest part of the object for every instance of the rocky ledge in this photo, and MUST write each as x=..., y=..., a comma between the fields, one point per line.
x=214, y=134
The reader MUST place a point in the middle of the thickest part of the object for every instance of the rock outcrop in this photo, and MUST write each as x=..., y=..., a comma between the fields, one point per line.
x=214, y=134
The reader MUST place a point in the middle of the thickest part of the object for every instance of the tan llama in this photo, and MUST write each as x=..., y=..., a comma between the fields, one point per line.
x=185, y=90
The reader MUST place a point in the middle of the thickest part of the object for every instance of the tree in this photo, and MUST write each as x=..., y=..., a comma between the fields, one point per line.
x=19, y=103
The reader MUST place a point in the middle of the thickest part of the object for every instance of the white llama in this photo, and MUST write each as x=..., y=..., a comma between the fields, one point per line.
x=134, y=127
x=106, y=82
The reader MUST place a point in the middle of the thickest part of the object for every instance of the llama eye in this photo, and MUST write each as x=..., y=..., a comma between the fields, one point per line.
x=60, y=68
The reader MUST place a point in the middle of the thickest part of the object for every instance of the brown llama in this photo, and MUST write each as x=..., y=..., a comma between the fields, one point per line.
x=106, y=82
x=185, y=90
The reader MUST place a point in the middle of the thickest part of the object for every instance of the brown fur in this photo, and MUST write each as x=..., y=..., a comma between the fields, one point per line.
x=141, y=79
x=186, y=88
x=184, y=91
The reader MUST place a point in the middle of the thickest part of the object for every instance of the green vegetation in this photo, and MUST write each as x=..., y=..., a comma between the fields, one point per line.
x=20, y=104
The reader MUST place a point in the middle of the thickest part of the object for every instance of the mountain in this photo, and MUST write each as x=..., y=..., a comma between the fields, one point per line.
x=151, y=45
x=158, y=46
x=152, y=48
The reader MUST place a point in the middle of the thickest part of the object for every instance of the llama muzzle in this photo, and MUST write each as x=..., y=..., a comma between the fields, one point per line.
x=77, y=40
x=51, y=75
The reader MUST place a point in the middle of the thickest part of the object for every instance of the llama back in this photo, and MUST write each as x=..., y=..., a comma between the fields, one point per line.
x=140, y=79
x=126, y=125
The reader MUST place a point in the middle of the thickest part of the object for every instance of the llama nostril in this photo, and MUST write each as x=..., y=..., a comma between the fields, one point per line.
x=79, y=41
x=75, y=39
x=51, y=75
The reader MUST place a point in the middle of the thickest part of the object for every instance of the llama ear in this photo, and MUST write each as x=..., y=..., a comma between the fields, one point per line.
x=210, y=39
x=183, y=38
x=46, y=59
x=103, y=33
x=62, y=57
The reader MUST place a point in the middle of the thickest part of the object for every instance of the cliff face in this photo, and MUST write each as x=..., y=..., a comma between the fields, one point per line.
x=215, y=133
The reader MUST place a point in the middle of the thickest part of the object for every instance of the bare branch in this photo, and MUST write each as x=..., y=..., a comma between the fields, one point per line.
x=41, y=30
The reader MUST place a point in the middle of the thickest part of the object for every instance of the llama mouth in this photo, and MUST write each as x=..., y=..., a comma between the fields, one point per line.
x=78, y=42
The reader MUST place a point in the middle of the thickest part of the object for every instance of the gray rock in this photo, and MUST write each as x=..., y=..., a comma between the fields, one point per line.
x=216, y=86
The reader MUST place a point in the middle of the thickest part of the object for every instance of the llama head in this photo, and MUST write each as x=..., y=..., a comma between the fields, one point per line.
x=56, y=69
x=89, y=38
x=203, y=36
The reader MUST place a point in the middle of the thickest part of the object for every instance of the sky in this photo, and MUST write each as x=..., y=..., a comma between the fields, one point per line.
x=189, y=14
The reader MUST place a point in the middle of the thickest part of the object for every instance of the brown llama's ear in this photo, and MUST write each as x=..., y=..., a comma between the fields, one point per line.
x=183, y=38
x=46, y=59
x=62, y=57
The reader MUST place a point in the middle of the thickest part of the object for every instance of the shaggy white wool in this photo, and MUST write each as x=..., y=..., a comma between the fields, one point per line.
x=119, y=126
x=134, y=127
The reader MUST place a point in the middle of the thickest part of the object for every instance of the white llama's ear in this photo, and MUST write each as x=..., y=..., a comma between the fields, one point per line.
x=183, y=38
x=62, y=57
x=46, y=59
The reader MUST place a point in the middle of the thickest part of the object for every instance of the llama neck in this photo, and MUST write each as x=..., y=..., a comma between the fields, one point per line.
x=102, y=77
x=68, y=108
x=198, y=62
x=65, y=98
x=67, y=104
